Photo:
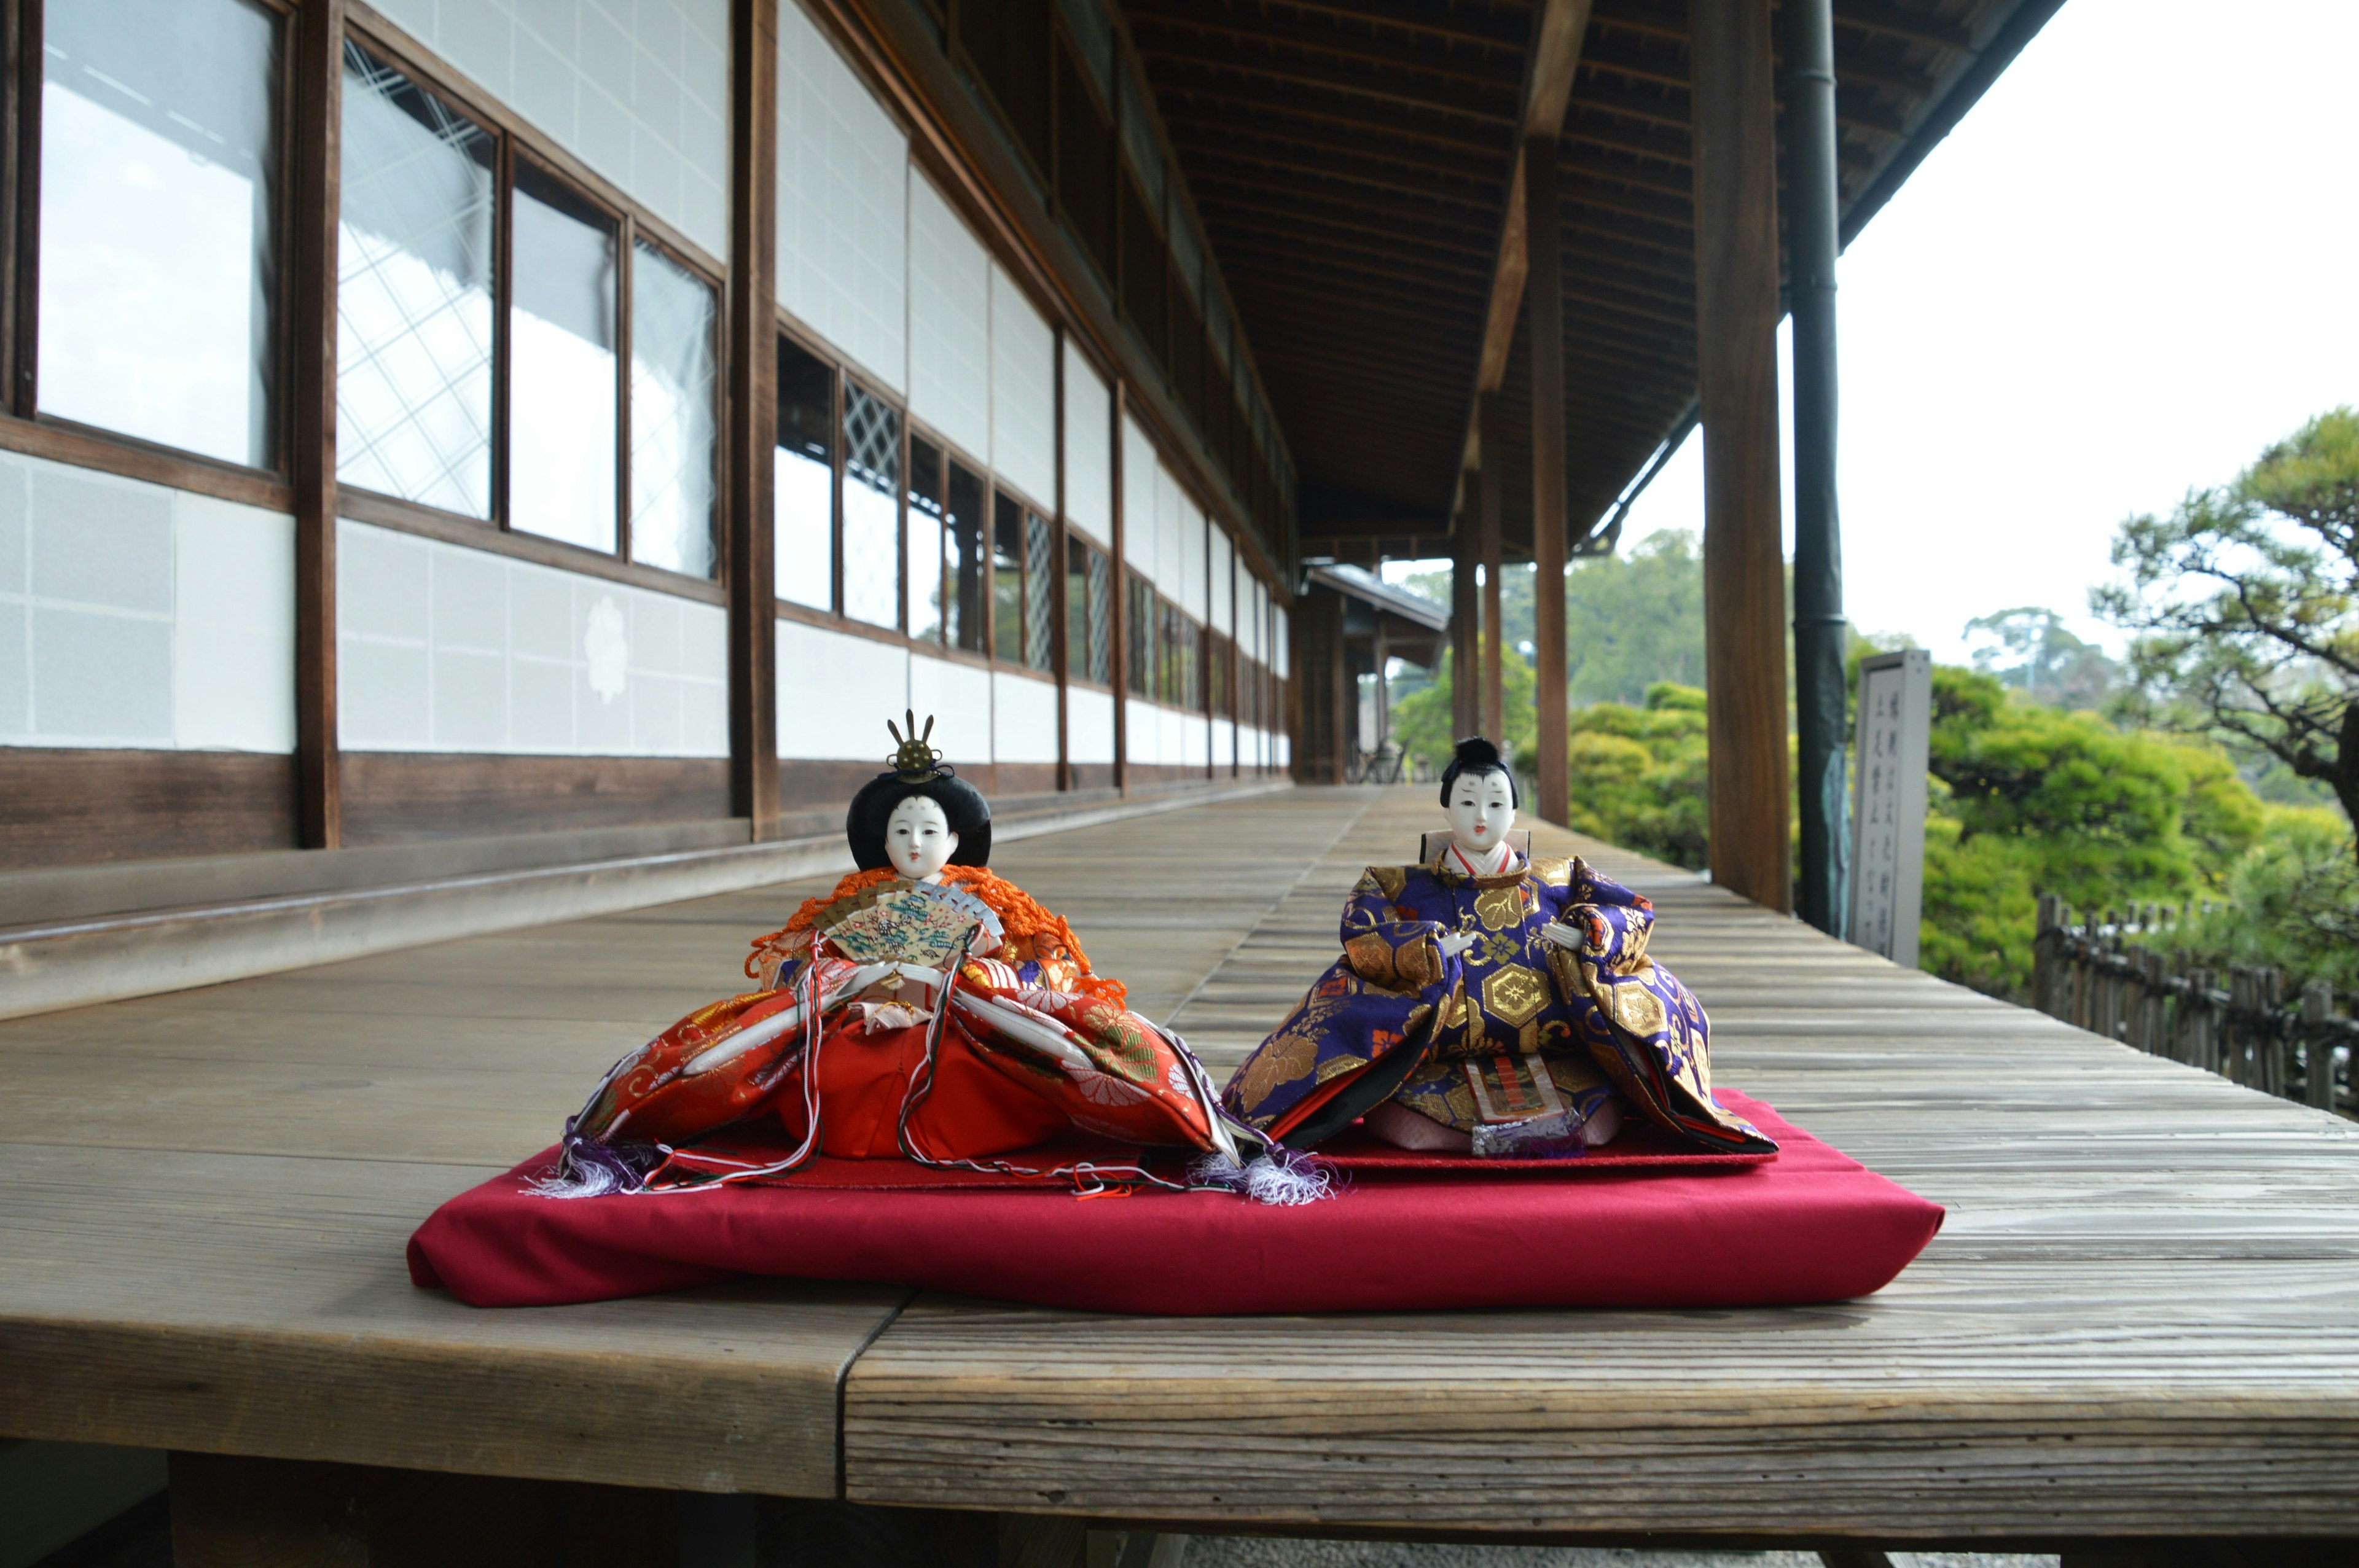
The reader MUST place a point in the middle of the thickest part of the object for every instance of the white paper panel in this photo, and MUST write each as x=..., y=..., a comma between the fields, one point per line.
x=949, y=322
x=1089, y=725
x=842, y=204
x=1089, y=449
x=1143, y=723
x=1224, y=598
x=1024, y=718
x=1139, y=485
x=1023, y=393
x=958, y=698
x=835, y=691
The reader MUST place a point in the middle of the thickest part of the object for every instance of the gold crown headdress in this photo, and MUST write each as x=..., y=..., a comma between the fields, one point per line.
x=914, y=762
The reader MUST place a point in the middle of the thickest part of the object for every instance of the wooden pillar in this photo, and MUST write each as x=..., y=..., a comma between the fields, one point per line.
x=1060, y=655
x=1736, y=325
x=1812, y=201
x=750, y=434
x=318, y=59
x=1544, y=288
x=1118, y=613
x=1494, y=716
x=1465, y=612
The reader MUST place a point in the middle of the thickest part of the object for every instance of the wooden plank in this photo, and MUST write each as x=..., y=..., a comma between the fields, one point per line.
x=395, y=797
x=2137, y=1318
x=66, y=806
x=1736, y=323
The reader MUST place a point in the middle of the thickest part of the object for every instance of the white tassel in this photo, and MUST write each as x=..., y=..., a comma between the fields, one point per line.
x=1280, y=1177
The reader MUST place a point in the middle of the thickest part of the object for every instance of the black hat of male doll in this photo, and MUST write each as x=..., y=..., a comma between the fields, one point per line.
x=917, y=769
x=1477, y=756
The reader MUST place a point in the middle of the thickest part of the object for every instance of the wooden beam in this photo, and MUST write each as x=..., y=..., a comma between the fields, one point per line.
x=317, y=55
x=1547, y=278
x=1118, y=613
x=752, y=429
x=1736, y=315
x=1556, y=51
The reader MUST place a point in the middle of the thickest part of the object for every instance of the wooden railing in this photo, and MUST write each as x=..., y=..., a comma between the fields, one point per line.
x=2102, y=974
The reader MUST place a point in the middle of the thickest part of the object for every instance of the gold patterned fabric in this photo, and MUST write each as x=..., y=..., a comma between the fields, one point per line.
x=1516, y=1010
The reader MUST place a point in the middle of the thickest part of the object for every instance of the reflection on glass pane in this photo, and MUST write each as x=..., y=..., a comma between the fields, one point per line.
x=159, y=171
x=562, y=392
x=962, y=524
x=413, y=295
x=1040, y=590
x=1101, y=643
x=804, y=501
x=872, y=512
x=1076, y=608
x=1007, y=580
x=1141, y=624
x=673, y=385
x=923, y=528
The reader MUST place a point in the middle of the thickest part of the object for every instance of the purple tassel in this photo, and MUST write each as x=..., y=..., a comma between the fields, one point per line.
x=1277, y=1176
x=586, y=1168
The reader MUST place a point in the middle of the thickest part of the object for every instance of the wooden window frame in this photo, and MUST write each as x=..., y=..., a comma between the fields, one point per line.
x=952, y=452
x=23, y=427
x=632, y=226
x=847, y=376
x=1077, y=658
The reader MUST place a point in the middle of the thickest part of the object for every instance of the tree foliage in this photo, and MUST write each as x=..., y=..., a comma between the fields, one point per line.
x=2244, y=605
x=1421, y=720
x=2030, y=650
x=1638, y=774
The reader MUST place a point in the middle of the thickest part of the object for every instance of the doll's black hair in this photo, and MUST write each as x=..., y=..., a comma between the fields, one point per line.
x=961, y=802
x=1477, y=756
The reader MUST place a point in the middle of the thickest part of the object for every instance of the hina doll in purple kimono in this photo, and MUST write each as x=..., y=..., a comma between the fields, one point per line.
x=1491, y=1005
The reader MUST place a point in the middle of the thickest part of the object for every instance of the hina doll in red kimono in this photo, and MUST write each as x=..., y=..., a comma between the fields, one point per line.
x=1490, y=1005
x=925, y=1010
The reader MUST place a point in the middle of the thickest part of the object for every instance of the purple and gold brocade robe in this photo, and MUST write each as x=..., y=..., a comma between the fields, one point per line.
x=1465, y=1038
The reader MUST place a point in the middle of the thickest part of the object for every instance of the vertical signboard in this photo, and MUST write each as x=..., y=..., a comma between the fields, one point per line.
x=1888, y=861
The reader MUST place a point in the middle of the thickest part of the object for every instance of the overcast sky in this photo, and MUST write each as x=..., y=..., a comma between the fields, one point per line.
x=2134, y=265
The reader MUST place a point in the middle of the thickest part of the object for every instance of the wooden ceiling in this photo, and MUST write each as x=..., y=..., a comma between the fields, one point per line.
x=1350, y=159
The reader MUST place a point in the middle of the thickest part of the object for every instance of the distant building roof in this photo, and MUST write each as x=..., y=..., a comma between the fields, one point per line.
x=1362, y=584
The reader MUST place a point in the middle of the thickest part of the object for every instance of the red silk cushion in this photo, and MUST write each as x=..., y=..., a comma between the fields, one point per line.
x=1810, y=1226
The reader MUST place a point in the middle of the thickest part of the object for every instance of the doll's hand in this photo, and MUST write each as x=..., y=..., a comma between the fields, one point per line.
x=1453, y=943
x=1563, y=936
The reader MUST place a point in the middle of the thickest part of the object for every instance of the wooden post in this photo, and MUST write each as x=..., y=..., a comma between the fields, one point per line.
x=1465, y=612
x=2046, y=936
x=1118, y=612
x=1737, y=351
x=1544, y=290
x=1818, y=628
x=2317, y=1043
x=751, y=433
x=317, y=58
x=1494, y=715
x=1060, y=655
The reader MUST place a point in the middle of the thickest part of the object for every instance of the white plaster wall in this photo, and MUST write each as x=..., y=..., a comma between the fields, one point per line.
x=843, y=169
x=1024, y=718
x=1194, y=589
x=1170, y=512
x=1224, y=584
x=835, y=692
x=1089, y=725
x=134, y=615
x=1139, y=488
x=1172, y=745
x=1196, y=741
x=1284, y=757
x=1281, y=644
x=636, y=89
x=958, y=698
x=1089, y=448
x=949, y=322
x=1144, y=730
x=443, y=648
x=1258, y=623
x=1023, y=392
x=1224, y=745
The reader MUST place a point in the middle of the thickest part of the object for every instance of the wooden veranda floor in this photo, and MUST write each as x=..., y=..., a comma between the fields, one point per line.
x=2141, y=1317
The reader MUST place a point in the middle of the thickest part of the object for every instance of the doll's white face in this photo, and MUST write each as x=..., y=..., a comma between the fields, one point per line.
x=918, y=837
x=1482, y=808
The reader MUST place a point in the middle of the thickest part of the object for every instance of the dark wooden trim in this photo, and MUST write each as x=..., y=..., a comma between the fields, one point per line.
x=751, y=431
x=316, y=57
x=83, y=446
x=1736, y=353
x=73, y=807
x=24, y=178
x=1118, y=575
x=397, y=797
x=452, y=528
x=1061, y=571
x=1465, y=609
x=1544, y=288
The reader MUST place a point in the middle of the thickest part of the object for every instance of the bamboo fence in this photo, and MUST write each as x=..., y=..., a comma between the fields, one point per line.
x=2110, y=975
